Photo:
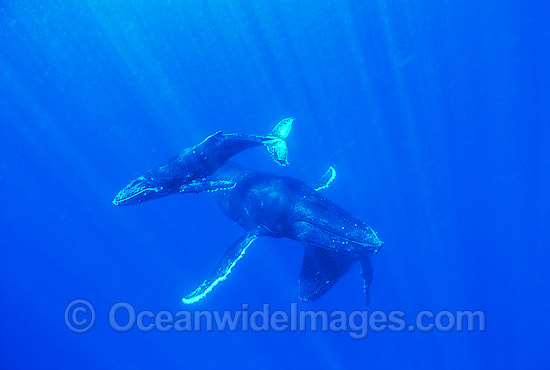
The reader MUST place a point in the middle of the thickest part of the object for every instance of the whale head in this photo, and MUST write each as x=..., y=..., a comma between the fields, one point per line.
x=321, y=223
x=140, y=189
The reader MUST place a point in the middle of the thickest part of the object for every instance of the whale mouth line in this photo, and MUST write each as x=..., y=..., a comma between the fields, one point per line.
x=335, y=234
x=117, y=201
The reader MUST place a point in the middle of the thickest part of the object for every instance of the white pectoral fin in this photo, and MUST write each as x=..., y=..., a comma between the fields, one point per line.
x=232, y=255
x=325, y=181
x=199, y=186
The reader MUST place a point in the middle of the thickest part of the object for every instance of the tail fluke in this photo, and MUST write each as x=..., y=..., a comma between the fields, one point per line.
x=282, y=129
x=276, y=144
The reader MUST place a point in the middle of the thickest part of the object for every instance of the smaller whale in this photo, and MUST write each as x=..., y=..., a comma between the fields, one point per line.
x=200, y=161
x=283, y=207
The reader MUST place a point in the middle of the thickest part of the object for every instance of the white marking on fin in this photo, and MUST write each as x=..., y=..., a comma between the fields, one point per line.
x=332, y=173
x=197, y=298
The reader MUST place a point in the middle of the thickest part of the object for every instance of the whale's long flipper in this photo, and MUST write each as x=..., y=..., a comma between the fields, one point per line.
x=366, y=271
x=321, y=269
x=276, y=144
x=325, y=181
x=199, y=186
x=229, y=260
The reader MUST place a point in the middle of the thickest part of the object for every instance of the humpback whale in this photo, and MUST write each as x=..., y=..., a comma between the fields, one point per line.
x=283, y=207
x=200, y=161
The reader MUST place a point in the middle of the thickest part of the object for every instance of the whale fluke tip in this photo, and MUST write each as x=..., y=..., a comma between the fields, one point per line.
x=276, y=145
x=282, y=129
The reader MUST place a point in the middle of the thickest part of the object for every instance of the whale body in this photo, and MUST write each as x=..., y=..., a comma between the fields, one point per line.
x=283, y=207
x=200, y=161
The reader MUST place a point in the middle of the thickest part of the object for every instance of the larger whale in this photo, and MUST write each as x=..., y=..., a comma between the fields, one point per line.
x=282, y=207
x=200, y=161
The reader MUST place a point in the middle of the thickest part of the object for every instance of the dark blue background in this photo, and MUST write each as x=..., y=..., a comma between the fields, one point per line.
x=435, y=115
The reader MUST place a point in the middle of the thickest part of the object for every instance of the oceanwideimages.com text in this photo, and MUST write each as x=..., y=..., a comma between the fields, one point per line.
x=80, y=317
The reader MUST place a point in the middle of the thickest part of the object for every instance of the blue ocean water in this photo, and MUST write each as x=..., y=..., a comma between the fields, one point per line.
x=435, y=116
